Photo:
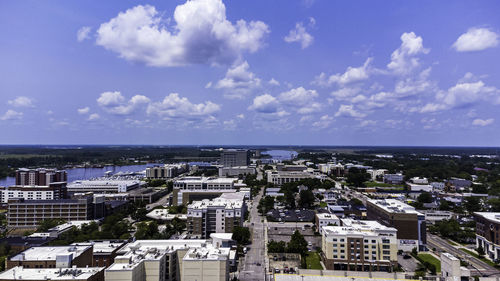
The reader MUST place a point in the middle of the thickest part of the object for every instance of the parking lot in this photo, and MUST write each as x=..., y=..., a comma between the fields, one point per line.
x=282, y=261
x=283, y=232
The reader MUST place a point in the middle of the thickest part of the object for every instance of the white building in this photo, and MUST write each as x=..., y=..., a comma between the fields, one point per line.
x=59, y=274
x=433, y=216
x=162, y=214
x=437, y=185
x=190, y=189
x=376, y=173
x=451, y=269
x=236, y=171
x=104, y=186
x=278, y=178
x=166, y=171
x=164, y=260
x=419, y=180
x=393, y=178
x=326, y=219
x=420, y=187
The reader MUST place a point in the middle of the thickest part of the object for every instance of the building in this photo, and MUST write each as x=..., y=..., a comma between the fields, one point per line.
x=29, y=213
x=437, y=185
x=104, y=186
x=163, y=215
x=410, y=223
x=104, y=251
x=219, y=215
x=236, y=171
x=169, y=260
x=332, y=169
x=52, y=257
x=432, y=216
x=43, y=177
x=393, y=178
x=190, y=189
x=234, y=157
x=325, y=219
x=418, y=180
x=166, y=171
x=377, y=174
x=51, y=191
x=420, y=187
x=459, y=183
x=487, y=233
x=20, y=243
x=59, y=274
x=290, y=168
x=451, y=269
x=278, y=178
x=359, y=246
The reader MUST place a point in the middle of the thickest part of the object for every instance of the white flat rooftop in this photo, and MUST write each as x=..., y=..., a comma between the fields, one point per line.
x=20, y=273
x=293, y=277
x=105, y=246
x=394, y=206
x=491, y=216
x=49, y=253
x=217, y=202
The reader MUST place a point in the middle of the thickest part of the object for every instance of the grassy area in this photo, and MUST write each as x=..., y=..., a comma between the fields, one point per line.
x=323, y=204
x=313, y=261
x=381, y=184
x=452, y=243
x=477, y=256
x=431, y=259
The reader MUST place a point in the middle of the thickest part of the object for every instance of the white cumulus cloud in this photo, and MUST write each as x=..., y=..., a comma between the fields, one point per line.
x=11, y=115
x=115, y=103
x=239, y=81
x=476, y=39
x=264, y=104
x=93, y=117
x=352, y=74
x=175, y=106
x=299, y=34
x=84, y=110
x=349, y=111
x=198, y=33
x=83, y=33
x=21, y=102
x=483, y=122
x=403, y=59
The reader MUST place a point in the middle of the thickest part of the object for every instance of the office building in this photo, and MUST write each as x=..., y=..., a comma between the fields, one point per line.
x=189, y=189
x=359, y=246
x=166, y=171
x=487, y=233
x=279, y=178
x=433, y=216
x=219, y=215
x=59, y=274
x=410, y=223
x=393, y=178
x=234, y=157
x=451, y=270
x=326, y=219
x=43, y=177
x=103, y=186
x=168, y=260
x=30, y=213
x=236, y=171
x=52, y=257
x=377, y=174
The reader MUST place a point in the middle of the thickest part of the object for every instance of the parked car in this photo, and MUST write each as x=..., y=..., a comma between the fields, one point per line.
x=277, y=270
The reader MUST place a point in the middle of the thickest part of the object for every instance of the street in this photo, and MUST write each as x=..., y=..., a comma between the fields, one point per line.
x=253, y=267
x=441, y=245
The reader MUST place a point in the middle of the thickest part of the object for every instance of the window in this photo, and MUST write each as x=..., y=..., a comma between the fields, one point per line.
x=334, y=256
x=342, y=239
x=373, y=247
x=386, y=252
x=373, y=241
x=366, y=240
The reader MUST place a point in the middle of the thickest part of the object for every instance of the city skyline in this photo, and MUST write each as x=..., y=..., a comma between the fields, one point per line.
x=278, y=73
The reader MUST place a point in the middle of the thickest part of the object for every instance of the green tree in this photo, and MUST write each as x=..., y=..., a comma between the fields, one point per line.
x=241, y=235
x=306, y=199
x=357, y=177
x=47, y=224
x=472, y=204
x=276, y=247
x=425, y=197
x=297, y=244
x=480, y=251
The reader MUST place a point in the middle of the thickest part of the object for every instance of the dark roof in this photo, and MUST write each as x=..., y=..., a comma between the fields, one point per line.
x=29, y=241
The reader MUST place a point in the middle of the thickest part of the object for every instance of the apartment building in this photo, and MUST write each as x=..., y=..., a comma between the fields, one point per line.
x=52, y=257
x=359, y=246
x=59, y=274
x=279, y=178
x=487, y=233
x=54, y=190
x=169, y=260
x=219, y=215
x=377, y=174
x=29, y=213
x=234, y=157
x=410, y=223
x=332, y=169
x=166, y=171
x=43, y=177
x=189, y=189
x=326, y=219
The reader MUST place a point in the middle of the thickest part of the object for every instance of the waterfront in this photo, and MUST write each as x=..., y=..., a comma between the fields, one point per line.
x=281, y=155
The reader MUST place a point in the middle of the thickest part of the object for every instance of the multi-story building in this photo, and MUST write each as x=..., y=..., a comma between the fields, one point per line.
x=326, y=219
x=30, y=213
x=54, y=190
x=236, y=171
x=359, y=246
x=488, y=233
x=278, y=178
x=59, y=274
x=332, y=169
x=103, y=252
x=166, y=171
x=103, y=186
x=169, y=260
x=44, y=177
x=451, y=269
x=219, y=215
x=52, y=257
x=190, y=189
x=234, y=157
x=393, y=178
x=377, y=174
x=410, y=223
x=432, y=216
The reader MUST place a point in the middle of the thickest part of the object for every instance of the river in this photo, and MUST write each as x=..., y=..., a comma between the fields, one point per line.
x=282, y=155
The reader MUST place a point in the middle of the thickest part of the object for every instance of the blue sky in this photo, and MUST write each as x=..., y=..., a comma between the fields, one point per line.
x=311, y=72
